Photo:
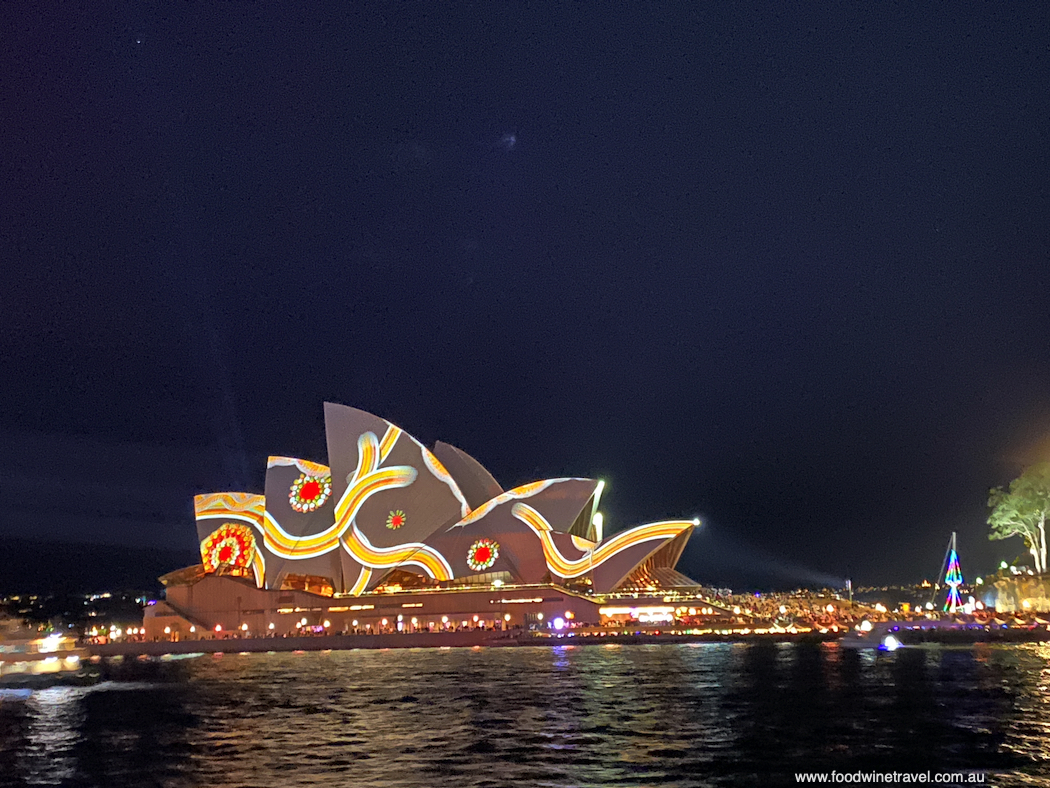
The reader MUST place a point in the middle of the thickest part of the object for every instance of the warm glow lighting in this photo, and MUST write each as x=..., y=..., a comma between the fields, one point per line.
x=218, y=627
x=444, y=619
x=244, y=627
x=865, y=626
x=167, y=630
x=830, y=608
x=193, y=629
x=50, y=643
x=539, y=616
x=506, y=616
x=515, y=601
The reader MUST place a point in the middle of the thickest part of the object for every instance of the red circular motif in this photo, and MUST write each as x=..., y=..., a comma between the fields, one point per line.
x=397, y=521
x=309, y=491
x=233, y=544
x=482, y=554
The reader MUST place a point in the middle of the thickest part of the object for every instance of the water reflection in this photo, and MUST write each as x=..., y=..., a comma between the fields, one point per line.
x=55, y=717
x=713, y=714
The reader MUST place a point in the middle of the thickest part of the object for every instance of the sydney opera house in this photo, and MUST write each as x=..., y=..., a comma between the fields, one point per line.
x=394, y=536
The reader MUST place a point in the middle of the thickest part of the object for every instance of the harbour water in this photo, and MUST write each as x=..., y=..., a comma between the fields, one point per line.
x=648, y=715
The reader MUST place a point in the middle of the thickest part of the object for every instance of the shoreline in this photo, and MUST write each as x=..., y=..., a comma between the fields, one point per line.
x=471, y=639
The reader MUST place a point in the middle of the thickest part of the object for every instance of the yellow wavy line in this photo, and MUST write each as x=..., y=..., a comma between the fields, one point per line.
x=357, y=544
x=281, y=543
x=389, y=439
x=525, y=491
x=314, y=469
x=568, y=568
x=259, y=568
x=248, y=504
x=362, y=581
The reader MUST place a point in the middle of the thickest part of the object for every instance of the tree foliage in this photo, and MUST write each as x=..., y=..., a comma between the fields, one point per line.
x=1022, y=510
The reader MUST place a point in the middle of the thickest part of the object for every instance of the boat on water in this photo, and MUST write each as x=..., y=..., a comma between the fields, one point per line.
x=31, y=659
x=891, y=635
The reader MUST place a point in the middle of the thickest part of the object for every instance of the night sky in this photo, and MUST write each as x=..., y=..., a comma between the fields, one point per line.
x=784, y=269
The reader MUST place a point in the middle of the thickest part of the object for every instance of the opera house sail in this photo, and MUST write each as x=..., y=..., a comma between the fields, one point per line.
x=390, y=528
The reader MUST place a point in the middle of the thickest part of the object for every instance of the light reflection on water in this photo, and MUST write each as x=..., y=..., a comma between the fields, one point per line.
x=717, y=714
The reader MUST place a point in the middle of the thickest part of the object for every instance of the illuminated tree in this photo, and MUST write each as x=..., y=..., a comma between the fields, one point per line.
x=1022, y=510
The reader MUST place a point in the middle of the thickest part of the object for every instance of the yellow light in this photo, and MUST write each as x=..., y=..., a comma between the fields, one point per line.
x=414, y=621
x=444, y=619
x=193, y=629
x=355, y=622
x=385, y=622
x=244, y=627
x=539, y=616
x=218, y=627
x=270, y=626
x=570, y=615
x=831, y=608
x=327, y=623
x=506, y=616
x=167, y=630
x=475, y=619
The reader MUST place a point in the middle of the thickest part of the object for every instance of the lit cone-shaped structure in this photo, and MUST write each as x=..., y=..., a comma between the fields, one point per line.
x=953, y=579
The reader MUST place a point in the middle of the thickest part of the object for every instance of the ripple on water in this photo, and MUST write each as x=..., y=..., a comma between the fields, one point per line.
x=590, y=716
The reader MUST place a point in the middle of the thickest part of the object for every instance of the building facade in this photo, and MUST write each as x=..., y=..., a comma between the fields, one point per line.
x=392, y=536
